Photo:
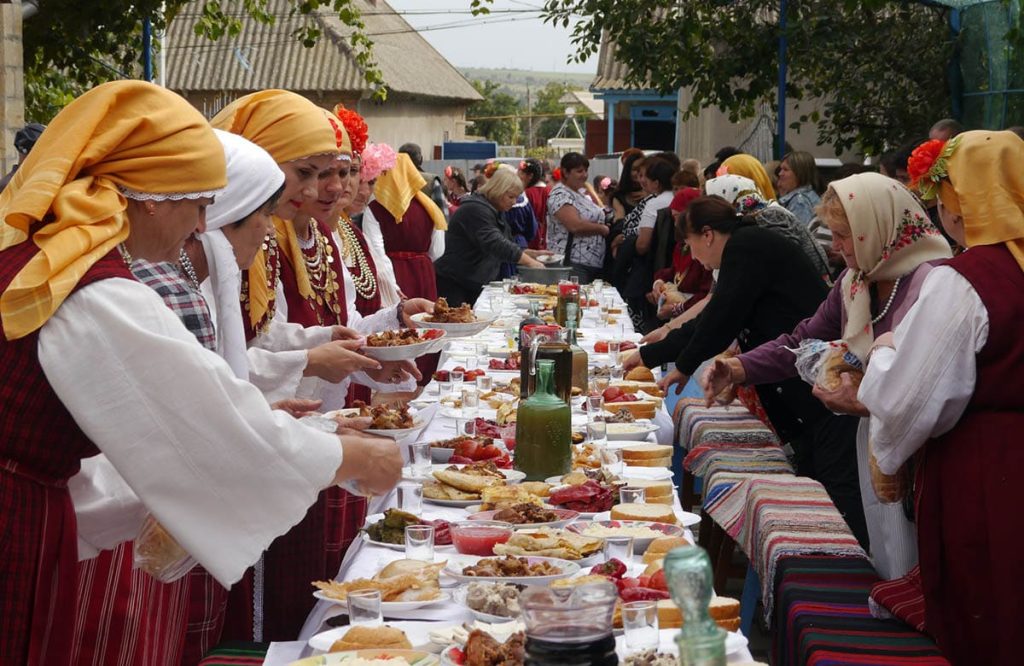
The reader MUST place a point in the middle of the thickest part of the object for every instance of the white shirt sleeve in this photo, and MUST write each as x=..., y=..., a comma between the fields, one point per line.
x=107, y=512
x=221, y=471
x=386, y=280
x=649, y=217
x=436, y=245
x=920, y=390
x=283, y=335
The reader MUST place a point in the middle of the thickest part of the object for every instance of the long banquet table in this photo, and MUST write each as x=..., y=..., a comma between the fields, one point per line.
x=363, y=560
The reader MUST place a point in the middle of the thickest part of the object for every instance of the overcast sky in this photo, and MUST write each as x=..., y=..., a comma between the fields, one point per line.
x=512, y=36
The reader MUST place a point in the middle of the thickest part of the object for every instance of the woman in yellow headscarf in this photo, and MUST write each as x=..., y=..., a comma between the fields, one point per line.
x=312, y=147
x=97, y=363
x=750, y=167
x=947, y=388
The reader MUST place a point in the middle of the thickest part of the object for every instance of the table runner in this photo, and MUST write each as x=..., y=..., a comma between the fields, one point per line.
x=731, y=425
x=705, y=458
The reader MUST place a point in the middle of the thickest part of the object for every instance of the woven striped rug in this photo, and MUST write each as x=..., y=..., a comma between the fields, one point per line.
x=706, y=458
x=822, y=617
x=728, y=425
x=775, y=516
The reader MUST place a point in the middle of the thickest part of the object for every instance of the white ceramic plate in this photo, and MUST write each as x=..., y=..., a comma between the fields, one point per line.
x=411, y=657
x=551, y=258
x=734, y=642
x=647, y=473
x=494, y=351
x=456, y=330
x=566, y=517
x=640, y=544
x=399, y=433
x=630, y=431
x=459, y=597
x=390, y=546
x=456, y=564
x=440, y=455
x=447, y=502
x=684, y=518
x=406, y=352
x=390, y=606
x=418, y=634
x=511, y=475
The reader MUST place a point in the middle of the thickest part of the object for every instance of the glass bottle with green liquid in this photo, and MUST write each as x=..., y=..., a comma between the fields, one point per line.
x=543, y=430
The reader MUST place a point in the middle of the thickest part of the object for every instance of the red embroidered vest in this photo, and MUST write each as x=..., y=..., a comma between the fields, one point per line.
x=38, y=436
x=308, y=313
x=999, y=281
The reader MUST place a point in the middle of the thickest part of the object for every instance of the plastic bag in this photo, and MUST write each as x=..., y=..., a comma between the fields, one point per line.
x=822, y=363
x=158, y=554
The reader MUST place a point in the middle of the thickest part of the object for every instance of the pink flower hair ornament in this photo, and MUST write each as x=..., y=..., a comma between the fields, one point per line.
x=377, y=158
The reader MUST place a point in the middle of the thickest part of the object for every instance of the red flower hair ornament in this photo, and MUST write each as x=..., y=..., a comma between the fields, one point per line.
x=929, y=164
x=557, y=174
x=355, y=125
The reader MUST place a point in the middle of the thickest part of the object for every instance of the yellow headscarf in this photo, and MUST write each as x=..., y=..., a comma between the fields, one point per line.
x=750, y=167
x=986, y=188
x=396, y=188
x=289, y=127
x=128, y=133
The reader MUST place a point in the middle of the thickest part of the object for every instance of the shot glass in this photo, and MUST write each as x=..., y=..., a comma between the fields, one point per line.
x=483, y=383
x=632, y=495
x=611, y=460
x=457, y=377
x=618, y=372
x=640, y=625
x=511, y=335
x=470, y=402
x=419, y=542
x=410, y=497
x=597, y=433
x=619, y=547
x=595, y=405
x=615, y=352
x=508, y=436
x=575, y=279
x=465, y=427
x=603, y=314
x=419, y=459
x=364, y=608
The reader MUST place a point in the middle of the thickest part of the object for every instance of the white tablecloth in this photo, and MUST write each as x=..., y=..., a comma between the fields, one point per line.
x=363, y=560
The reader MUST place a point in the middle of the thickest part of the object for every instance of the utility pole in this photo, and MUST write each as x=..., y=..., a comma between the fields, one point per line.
x=529, y=119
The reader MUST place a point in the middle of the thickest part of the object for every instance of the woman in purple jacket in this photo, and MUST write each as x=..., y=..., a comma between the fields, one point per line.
x=889, y=244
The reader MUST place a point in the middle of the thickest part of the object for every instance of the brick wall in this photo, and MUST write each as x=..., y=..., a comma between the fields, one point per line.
x=12, y=81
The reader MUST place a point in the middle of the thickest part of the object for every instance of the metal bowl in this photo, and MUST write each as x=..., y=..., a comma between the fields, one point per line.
x=547, y=275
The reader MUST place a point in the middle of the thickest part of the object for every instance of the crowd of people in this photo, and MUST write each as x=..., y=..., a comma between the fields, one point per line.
x=175, y=292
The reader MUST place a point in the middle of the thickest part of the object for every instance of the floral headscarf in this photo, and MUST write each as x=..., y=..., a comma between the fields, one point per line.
x=749, y=167
x=892, y=236
x=740, y=191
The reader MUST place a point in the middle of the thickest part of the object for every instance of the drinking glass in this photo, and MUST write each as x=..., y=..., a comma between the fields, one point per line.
x=640, y=625
x=618, y=373
x=410, y=497
x=466, y=427
x=598, y=287
x=506, y=284
x=470, y=402
x=511, y=335
x=575, y=279
x=457, y=377
x=597, y=433
x=595, y=405
x=619, y=547
x=419, y=459
x=614, y=352
x=604, y=315
x=632, y=495
x=364, y=608
x=471, y=360
x=419, y=542
x=611, y=460
x=508, y=436
x=483, y=383
x=444, y=389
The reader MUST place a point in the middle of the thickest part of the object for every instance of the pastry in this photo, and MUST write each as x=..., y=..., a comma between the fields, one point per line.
x=369, y=638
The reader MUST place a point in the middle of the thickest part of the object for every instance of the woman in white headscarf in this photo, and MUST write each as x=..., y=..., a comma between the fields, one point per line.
x=889, y=246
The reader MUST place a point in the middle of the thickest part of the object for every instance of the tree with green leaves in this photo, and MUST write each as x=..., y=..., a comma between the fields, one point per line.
x=877, y=68
x=71, y=45
x=551, y=112
x=497, y=116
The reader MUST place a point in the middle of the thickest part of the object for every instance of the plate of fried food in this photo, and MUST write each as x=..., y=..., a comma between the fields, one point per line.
x=509, y=569
x=390, y=421
x=457, y=322
x=404, y=585
x=529, y=515
x=403, y=345
x=388, y=529
x=551, y=542
x=391, y=636
x=462, y=485
x=375, y=657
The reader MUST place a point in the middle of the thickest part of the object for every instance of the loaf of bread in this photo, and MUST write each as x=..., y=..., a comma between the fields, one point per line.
x=652, y=462
x=640, y=374
x=640, y=409
x=830, y=377
x=660, y=547
x=634, y=452
x=369, y=638
x=889, y=488
x=651, y=513
x=655, y=492
x=724, y=608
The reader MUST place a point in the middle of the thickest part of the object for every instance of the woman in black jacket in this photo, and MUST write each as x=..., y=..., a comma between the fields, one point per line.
x=766, y=286
x=479, y=239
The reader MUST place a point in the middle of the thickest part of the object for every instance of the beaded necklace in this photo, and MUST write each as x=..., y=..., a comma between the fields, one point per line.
x=354, y=257
x=323, y=279
x=888, y=303
x=272, y=261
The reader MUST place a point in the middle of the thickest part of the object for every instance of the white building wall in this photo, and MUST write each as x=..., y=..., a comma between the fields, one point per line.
x=402, y=121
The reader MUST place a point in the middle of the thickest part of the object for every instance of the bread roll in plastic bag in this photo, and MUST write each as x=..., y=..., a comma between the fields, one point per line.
x=158, y=554
x=824, y=363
